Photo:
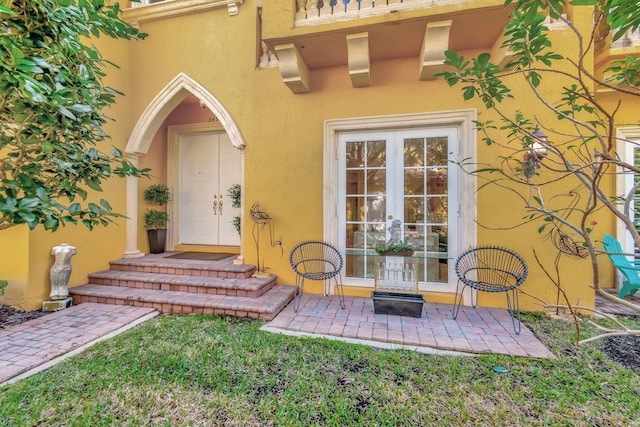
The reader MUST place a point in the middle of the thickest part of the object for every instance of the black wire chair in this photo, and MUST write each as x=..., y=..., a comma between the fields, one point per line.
x=491, y=269
x=316, y=260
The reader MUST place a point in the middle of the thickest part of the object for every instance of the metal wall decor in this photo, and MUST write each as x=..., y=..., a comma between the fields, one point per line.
x=260, y=220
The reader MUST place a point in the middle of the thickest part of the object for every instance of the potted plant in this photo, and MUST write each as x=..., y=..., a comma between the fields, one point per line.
x=155, y=221
x=235, y=192
x=394, y=249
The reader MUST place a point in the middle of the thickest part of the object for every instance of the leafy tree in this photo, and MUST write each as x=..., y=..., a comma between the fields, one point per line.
x=581, y=147
x=52, y=102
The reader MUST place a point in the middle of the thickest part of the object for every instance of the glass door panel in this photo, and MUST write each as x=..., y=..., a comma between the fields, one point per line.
x=426, y=204
x=366, y=203
x=396, y=175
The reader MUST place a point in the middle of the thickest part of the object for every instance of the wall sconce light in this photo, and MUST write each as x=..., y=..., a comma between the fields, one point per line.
x=201, y=103
x=536, y=146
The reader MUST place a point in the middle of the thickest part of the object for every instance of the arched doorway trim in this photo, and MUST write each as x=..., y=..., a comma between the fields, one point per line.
x=146, y=128
x=165, y=102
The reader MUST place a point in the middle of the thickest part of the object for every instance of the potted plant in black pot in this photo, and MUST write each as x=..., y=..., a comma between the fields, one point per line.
x=155, y=221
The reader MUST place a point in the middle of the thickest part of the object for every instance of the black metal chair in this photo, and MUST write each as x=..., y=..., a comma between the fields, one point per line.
x=491, y=269
x=316, y=260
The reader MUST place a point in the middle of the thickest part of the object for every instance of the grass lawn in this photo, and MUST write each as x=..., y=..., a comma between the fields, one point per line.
x=207, y=370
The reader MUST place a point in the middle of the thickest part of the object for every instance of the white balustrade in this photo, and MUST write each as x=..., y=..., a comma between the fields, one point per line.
x=311, y=12
x=631, y=38
x=144, y=3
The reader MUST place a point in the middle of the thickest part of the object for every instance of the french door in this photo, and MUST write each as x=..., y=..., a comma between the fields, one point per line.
x=404, y=175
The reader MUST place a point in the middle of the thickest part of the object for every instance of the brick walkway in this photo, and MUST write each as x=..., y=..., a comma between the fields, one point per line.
x=36, y=344
x=480, y=330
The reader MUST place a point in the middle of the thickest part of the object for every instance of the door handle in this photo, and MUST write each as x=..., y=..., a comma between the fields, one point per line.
x=215, y=204
x=220, y=205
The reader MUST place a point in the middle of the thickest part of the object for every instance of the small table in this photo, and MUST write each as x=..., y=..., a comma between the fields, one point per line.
x=396, y=284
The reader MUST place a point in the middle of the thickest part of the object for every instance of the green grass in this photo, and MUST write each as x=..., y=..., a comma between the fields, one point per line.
x=206, y=370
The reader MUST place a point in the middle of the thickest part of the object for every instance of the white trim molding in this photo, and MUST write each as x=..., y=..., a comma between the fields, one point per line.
x=141, y=12
x=624, y=181
x=168, y=99
x=466, y=149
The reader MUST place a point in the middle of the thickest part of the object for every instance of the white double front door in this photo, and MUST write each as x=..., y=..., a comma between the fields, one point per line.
x=208, y=165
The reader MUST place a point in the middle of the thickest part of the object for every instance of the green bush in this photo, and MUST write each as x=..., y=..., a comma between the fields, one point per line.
x=157, y=194
x=155, y=220
x=3, y=285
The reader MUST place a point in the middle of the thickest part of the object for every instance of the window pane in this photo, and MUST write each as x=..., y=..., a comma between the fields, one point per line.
x=437, y=209
x=376, y=209
x=414, y=152
x=355, y=209
x=437, y=181
x=414, y=181
x=414, y=210
x=376, y=154
x=377, y=181
x=355, y=182
x=355, y=236
x=355, y=154
x=437, y=151
x=414, y=236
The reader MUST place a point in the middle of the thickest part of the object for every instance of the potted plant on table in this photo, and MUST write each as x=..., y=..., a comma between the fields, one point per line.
x=155, y=221
x=394, y=249
x=395, y=246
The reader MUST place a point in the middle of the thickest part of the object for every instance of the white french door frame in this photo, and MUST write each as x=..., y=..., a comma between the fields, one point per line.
x=464, y=222
x=625, y=147
x=173, y=177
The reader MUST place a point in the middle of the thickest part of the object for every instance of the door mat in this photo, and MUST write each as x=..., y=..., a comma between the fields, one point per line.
x=202, y=256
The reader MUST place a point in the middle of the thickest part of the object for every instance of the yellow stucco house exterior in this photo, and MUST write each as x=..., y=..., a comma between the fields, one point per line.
x=312, y=109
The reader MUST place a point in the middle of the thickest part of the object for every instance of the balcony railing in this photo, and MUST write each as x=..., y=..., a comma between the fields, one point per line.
x=630, y=39
x=310, y=12
x=144, y=3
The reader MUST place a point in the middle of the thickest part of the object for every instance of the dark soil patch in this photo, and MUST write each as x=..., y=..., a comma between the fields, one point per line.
x=10, y=316
x=624, y=350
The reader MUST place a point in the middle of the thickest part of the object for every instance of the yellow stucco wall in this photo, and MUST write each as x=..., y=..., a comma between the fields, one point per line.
x=14, y=265
x=28, y=258
x=283, y=159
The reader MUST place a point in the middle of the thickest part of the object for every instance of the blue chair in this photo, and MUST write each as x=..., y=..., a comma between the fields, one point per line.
x=630, y=271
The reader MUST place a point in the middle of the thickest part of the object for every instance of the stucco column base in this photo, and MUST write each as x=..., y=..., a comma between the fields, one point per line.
x=133, y=254
x=57, y=305
x=239, y=260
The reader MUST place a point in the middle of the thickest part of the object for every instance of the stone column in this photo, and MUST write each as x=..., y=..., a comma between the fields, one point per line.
x=131, y=248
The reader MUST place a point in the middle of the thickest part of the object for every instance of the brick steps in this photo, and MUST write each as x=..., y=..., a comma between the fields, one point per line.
x=184, y=283
x=156, y=264
x=265, y=307
x=186, y=286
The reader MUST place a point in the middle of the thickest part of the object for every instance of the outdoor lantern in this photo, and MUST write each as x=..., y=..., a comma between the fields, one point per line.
x=536, y=151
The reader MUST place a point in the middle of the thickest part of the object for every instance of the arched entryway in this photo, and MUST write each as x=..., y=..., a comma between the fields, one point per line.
x=170, y=97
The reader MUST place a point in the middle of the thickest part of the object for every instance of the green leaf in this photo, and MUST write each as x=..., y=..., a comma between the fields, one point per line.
x=66, y=112
x=7, y=11
x=469, y=92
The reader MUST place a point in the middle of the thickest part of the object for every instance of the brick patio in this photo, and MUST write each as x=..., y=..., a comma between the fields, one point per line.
x=480, y=330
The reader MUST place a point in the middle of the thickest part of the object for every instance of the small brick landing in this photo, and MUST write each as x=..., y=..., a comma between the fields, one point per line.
x=186, y=286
